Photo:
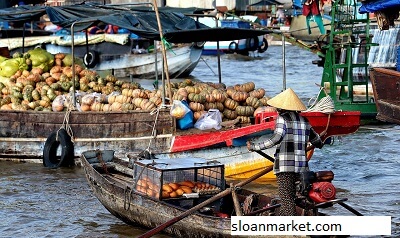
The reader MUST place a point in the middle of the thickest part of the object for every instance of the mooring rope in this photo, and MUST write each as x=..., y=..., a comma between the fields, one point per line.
x=154, y=130
x=65, y=124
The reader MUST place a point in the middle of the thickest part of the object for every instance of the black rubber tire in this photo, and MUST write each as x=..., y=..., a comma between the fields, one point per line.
x=262, y=48
x=233, y=47
x=252, y=43
x=91, y=58
x=50, y=157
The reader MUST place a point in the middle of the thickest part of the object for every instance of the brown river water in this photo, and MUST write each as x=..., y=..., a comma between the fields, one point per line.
x=39, y=202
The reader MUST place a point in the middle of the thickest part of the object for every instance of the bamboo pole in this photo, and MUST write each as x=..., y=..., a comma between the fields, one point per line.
x=163, y=51
x=236, y=202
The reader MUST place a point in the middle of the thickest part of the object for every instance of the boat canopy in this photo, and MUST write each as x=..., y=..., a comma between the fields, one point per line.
x=142, y=21
x=379, y=5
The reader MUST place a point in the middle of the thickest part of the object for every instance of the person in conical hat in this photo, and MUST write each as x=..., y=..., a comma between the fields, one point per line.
x=291, y=135
x=287, y=100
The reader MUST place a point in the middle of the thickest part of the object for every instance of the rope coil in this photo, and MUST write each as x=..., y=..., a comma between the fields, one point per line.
x=324, y=105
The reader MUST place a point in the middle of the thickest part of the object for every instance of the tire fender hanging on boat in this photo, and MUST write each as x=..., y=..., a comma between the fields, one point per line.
x=91, y=58
x=263, y=47
x=252, y=43
x=50, y=157
x=233, y=47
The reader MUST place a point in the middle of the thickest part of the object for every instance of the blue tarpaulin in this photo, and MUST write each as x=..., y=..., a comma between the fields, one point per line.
x=379, y=6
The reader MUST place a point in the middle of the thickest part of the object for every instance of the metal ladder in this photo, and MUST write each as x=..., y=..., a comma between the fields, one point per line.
x=346, y=59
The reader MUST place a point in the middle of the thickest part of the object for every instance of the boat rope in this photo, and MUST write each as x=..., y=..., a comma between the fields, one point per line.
x=324, y=105
x=154, y=129
x=167, y=45
x=65, y=124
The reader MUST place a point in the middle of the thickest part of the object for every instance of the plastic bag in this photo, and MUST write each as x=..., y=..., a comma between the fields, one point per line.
x=89, y=99
x=212, y=119
x=178, y=109
x=187, y=121
x=58, y=103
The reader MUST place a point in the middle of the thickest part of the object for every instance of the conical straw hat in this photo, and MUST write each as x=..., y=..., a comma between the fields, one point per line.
x=287, y=100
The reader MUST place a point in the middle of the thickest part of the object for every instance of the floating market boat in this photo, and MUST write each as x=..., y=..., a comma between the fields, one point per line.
x=386, y=83
x=122, y=53
x=159, y=193
x=36, y=135
x=241, y=46
x=385, y=78
x=116, y=54
x=23, y=135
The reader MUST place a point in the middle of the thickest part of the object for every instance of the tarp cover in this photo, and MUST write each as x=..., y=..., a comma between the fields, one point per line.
x=176, y=27
x=265, y=3
x=374, y=6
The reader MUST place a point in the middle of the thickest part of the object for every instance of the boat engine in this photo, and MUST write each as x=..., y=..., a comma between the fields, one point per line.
x=316, y=186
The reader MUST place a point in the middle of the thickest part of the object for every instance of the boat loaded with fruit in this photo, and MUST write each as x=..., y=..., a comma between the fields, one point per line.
x=190, y=197
x=52, y=111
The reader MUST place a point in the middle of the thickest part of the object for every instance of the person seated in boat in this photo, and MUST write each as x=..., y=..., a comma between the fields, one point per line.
x=291, y=135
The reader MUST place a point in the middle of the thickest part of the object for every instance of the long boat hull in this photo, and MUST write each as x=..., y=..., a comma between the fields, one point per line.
x=23, y=135
x=181, y=59
x=386, y=83
x=116, y=54
x=132, y=193
x=229, y=47
x=113, y=188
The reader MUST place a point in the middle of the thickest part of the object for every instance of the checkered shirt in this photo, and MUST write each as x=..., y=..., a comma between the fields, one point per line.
x=291, y=134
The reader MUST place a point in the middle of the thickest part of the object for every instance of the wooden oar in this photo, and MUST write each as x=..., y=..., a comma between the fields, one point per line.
x=205, y=203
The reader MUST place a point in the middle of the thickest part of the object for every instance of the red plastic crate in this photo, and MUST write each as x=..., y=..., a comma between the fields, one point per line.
x=265, y=117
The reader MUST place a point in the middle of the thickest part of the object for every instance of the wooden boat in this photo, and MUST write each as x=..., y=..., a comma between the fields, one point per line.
x=384, y=77
x=23, y=135
x=113, y=189
x=385, y=84
x=116, y=54
x=112, y=181
x=241, y=46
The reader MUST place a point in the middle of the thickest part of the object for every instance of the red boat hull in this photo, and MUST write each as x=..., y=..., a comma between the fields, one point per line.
x=338, y=123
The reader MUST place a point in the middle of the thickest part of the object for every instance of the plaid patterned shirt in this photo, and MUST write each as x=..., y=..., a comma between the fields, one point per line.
x=292, y=132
